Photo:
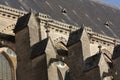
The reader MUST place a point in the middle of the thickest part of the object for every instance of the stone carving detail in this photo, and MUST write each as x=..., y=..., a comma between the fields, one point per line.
x=61, y=39
x=62, y=68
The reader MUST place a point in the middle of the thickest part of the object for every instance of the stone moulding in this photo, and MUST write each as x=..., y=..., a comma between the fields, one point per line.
x=11, y=11
x=46, y=18
x=101, y=37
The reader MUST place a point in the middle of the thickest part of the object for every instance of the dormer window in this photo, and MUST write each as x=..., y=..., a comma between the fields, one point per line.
x=107, y=23
x=64, y=10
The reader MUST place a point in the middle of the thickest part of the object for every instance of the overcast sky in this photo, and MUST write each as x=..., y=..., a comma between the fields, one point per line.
x=113, y=2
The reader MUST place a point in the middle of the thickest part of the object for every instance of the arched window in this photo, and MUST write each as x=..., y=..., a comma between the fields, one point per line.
x=67, y=75
x=7, y=64
x=5, y=68
x=63, y=71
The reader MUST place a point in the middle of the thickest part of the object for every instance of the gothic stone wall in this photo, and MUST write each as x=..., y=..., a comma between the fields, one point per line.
x=116, y=68
x=93, y=74
x=39, y=68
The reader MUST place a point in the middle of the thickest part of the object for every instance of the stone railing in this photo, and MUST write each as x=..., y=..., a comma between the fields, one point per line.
x=12, y=11
x=56, y=23
x=101, y=37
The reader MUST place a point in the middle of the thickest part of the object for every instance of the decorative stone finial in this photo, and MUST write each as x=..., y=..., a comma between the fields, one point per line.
x=70, y=27
x=82, y=26
x=47, y=29
x=31, y=10
x=100, y=48
x=115, y=42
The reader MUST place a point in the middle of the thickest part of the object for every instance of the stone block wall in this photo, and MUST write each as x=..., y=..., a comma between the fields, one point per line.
x=24, y=63
x=39, y=68
x=116, y=69
x=93, y=74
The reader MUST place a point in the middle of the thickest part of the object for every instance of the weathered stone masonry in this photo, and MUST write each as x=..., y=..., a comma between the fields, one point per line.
x=47, y=49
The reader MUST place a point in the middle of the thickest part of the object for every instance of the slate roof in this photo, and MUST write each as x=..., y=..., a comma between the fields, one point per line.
x=91, y=13
x=92, y=61
x=22, y=22
x=39, y=48
x=116, y=52
x=75, y=37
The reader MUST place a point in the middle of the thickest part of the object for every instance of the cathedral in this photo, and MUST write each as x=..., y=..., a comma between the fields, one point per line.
x=59, y=40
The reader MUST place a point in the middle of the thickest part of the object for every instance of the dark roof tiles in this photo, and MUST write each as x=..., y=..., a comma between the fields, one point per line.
x=116, y=52
x=92, y=13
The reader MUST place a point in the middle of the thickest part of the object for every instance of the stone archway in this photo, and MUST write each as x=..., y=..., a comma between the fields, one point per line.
x=63, y=68
x=8, y=64
x=60, y=70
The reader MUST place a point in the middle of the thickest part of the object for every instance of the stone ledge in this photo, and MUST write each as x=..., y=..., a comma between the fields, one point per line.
x=12, y=11
x=46, y=18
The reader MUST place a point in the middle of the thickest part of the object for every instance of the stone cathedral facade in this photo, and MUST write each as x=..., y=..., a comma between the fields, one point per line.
x=39, y=46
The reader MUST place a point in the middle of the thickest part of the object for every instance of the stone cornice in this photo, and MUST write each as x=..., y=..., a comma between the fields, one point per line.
x=101, y=37
x=46, y=18
x=12, y=11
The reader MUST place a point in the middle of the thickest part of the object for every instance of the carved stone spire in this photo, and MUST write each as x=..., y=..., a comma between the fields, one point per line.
x=47, y=29
x=100, y=48
x=70, y=28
